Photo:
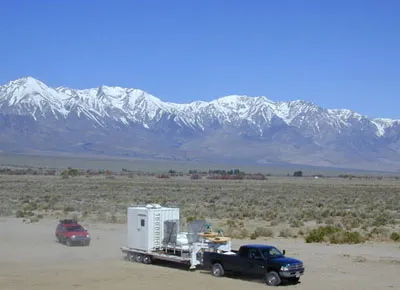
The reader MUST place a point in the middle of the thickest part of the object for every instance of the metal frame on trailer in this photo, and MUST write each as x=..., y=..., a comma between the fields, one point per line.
x=192, y=257
x=138, y=256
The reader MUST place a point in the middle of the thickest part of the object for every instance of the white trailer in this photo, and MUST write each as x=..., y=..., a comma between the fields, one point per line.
x=153, y=232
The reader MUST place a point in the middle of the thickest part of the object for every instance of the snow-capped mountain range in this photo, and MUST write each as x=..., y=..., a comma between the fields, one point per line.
x=131, y=122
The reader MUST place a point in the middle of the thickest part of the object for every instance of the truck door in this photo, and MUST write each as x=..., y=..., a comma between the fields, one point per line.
x=247, y=262
x=255, y=263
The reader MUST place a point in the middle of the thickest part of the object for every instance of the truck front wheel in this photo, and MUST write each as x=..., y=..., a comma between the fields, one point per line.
x=273, y=279
x=217, y=270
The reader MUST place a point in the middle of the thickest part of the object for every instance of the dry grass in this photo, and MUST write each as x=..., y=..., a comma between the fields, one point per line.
x=280, y=207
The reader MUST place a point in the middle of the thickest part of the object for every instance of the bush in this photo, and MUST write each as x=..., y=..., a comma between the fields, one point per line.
x=69, y=172
x=295, y=223
x=237, y=233
x=379, y=233
x=261, y=232
x=298, y=173
x=23, y=213
x=285, y=233
x=334, y=235
x=34, y=219
x=20, y=214
x=352, y=238
x=68, y=208
x=395, y=236
x=318, y=235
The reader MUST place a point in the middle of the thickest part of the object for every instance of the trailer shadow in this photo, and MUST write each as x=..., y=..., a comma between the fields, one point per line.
x=247, y=278
x=169, y=264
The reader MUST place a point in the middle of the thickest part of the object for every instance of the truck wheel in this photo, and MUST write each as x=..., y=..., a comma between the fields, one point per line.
x=146, y=260
x=272, y=278
x=68, y=242
x=217, y=270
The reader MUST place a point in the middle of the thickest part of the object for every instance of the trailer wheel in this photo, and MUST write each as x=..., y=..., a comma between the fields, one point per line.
x=217, y=270
x=138, y=258
x=147, y=259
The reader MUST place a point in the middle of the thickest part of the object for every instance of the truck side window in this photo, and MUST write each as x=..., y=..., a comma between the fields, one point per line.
x=142, y=223
x=254, y=254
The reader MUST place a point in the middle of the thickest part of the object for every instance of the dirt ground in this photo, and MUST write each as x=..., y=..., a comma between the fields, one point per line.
x=30, y=258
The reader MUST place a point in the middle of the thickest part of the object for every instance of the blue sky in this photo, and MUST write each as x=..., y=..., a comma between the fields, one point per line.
x=337, y=54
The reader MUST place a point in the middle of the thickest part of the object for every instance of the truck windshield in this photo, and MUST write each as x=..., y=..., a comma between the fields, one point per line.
x=271, y=252
x=75, y=229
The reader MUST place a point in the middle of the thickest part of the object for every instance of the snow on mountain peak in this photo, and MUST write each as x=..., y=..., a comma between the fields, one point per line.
x=235, y=99
x=231, y=99
x=345, y=114
x=30, y=96
x=382, y=124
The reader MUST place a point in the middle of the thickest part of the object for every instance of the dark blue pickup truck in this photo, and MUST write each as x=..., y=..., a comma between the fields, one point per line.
x=255, y=260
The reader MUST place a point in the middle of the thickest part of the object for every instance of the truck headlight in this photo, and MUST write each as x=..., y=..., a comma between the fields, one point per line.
x=285, y=268
x=73, y=237
x=88, y=236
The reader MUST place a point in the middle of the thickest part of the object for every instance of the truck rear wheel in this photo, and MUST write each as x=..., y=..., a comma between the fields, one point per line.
x=217, y=270
x=273, y=279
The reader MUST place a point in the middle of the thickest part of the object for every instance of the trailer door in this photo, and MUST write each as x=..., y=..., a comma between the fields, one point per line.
x=142, y=231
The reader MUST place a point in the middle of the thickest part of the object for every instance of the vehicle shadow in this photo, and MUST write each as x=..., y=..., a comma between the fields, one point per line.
x=203, y=271
x=165, y=264
x=172, y=265
x=249, y=278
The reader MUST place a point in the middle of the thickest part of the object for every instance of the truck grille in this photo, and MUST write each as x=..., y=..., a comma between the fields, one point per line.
x=294, y=267
x=80, y=238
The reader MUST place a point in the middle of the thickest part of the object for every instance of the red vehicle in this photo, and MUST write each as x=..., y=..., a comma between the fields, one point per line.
x=70, y=232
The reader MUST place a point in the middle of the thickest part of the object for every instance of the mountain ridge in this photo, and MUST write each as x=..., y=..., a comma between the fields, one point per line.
x=293, y=131
x=68, y=93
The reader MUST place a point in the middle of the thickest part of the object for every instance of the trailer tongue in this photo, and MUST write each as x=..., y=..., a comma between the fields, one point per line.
x=153, y=233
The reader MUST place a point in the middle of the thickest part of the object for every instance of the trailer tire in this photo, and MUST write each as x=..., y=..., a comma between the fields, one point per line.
x=138, y=258
x=147, y=260
x=217, y=270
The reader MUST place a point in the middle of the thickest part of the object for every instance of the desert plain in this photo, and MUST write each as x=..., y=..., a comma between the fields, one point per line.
x=282, y=211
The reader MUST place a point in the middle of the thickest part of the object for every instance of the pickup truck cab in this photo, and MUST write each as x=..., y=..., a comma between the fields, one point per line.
x=255, y=260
